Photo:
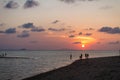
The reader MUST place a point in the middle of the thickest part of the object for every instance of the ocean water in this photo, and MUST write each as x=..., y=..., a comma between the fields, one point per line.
x=30, y=63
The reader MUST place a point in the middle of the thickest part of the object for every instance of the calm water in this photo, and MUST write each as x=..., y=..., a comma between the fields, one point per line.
x=40, y=61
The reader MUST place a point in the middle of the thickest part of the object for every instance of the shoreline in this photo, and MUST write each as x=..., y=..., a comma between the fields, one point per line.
x=6, y=57
x=103, y=68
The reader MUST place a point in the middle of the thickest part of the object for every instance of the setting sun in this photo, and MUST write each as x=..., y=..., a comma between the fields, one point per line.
x=83, y=45
x=82, y=41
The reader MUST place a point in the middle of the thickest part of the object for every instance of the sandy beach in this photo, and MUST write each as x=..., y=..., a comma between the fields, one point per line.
x=107, y=68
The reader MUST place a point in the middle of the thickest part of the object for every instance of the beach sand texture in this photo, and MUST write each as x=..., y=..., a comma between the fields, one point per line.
x=107, y=68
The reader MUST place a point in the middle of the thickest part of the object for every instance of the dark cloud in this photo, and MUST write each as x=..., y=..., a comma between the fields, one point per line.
x=105, y=29
x=68, y=1
x=89, y=29
x=31, y=3
x=98, y=42
x=24, y=34
x=73, y=31
x=115, y=42
x=80, y=33
x=57, y=30
x=56, y=21
x=2, y=32
x=71, y=36
x=88, y=34
x=76, y=42
x=28, y=25
x=32, y=27
x=33, y=41
x=2, y=24
x=10, y=31
x=110, y=30
x=12, y=5
x=36, y=29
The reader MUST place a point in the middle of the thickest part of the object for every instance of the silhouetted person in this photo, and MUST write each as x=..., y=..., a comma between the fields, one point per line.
x=5, y=54
x=86, y=56
x=119, y=52
x=70, y=56
x=80, y=56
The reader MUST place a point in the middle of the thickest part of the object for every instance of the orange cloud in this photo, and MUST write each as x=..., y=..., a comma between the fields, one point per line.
x=84, y=40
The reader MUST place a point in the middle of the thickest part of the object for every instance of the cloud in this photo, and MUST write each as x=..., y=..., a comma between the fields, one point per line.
x=73, y=31
x=33, y=41
x=89, y=29
x=56, y=21
x=110, y=30
x=32, y=27
x=12, y=5
x=36, y=29
x=57, y=30
x=105, y=29
x=24, y=34
x=10, y=31
x=2, y=32
x=88, y=34
x=98, y=42
x=71, y=36
x=116, y=42
x=80, y=33
x=76, y=42
x=28, y=25
x=2, y=24
x=31, y=3
x=68, y=1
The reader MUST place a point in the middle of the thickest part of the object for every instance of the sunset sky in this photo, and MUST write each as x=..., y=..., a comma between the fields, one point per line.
x=60, y=24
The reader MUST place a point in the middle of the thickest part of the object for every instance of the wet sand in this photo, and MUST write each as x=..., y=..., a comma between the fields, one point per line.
x=107, y=68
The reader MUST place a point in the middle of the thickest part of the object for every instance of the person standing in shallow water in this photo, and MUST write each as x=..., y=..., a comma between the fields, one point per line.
x=86, y=56
x=80, y=56
x=70, y=56
x=119, y=52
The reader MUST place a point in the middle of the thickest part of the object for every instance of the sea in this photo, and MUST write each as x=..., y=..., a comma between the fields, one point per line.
x=22, y=64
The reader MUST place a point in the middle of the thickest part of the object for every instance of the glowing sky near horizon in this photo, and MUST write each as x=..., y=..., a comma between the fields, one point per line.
x=60, y=24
